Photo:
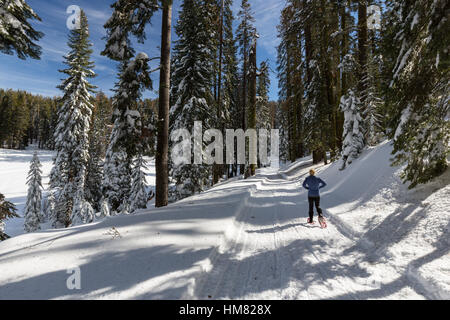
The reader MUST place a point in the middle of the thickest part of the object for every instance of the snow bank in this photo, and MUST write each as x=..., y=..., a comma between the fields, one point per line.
x=409, y=229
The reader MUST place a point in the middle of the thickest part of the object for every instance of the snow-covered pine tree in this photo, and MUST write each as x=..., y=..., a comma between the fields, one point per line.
x=230, y=69
x=421, y=84
x=281, y=123
x=125, y=141
x=357, y=114
x=138, y=194
x=16, y=33
x=68, y=176
x=373, y=107
x=290, y=73
x=246, y=35
x=314, y=114
x=98, y=142
x=150, y=122
x=373, y=104
x=50, y=213
x=284, y=66
x=353, y=131
x=263, y=111
x=7, y=211
x=192, y=74
x=104, y=209
x=117, y=172
x=129, y=18
x=32, y=214
x=84, y=211
x=94, y=169
x=231, y=83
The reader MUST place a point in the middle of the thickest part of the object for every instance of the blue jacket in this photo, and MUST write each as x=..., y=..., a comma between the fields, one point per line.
x=313, y=184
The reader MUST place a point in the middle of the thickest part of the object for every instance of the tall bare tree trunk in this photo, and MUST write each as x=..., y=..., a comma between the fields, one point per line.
x=362, y=45
x=344, y=77
x=162, y=153
x=218, y=168
x=308, y=44
x=244, y=90
x=252, y=96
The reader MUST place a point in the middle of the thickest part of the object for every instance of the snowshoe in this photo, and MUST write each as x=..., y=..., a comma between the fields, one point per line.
x=323, y=222
x=310, y=221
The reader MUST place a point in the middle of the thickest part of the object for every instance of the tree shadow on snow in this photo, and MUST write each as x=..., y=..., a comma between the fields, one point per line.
x=109, y=273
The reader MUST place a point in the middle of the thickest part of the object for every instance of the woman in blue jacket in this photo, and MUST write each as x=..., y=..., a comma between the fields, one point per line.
x=314, y=184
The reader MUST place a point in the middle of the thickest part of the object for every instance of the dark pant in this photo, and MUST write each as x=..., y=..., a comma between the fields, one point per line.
x=316, y=201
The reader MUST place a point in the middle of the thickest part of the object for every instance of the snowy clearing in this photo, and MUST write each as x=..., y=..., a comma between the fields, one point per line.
x=248, y=239
x=14, y=167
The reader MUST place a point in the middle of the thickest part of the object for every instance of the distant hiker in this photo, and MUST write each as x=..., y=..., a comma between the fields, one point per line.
x=313, y=184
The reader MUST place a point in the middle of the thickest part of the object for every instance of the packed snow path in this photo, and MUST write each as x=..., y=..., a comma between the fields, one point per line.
x=274, y=254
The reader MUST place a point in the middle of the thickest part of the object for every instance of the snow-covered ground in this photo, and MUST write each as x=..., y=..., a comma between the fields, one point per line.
x=14, y=167
x=249, y=239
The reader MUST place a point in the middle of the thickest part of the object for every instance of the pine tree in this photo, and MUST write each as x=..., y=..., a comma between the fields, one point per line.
x=68, y=175
x=420, y=88
x=230, y=78
x=138, y=194
x=353, y=133
x=291, y=92
x=148, y=110
x=6, y=119
x=130, y=18
x=33, y=215
x=104, y=209
x=16, y=33
x=50, y=214
x=84, y=211
x=372, y=111
x=15, y=115
x=125, y=142
x=98, y=142
x=252, y=76
x=362, y=50
x=25, y=119
x=281, y=123
x=191, y=91
x=7, y=211
x=263, y=110
x=246, y=33
x=218, y=169
x=230, y=70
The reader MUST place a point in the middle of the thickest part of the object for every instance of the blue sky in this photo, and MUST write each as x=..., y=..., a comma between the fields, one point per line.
x=42, y=76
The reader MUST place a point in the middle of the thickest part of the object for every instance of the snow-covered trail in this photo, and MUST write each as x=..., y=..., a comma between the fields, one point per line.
x=248, y=239
x=275, y=254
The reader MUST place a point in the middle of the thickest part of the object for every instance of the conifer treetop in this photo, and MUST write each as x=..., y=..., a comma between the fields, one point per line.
x=16, y=33
x=129, y=18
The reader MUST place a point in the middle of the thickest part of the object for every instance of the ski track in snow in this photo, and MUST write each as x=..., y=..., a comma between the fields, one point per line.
x=291, y=259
